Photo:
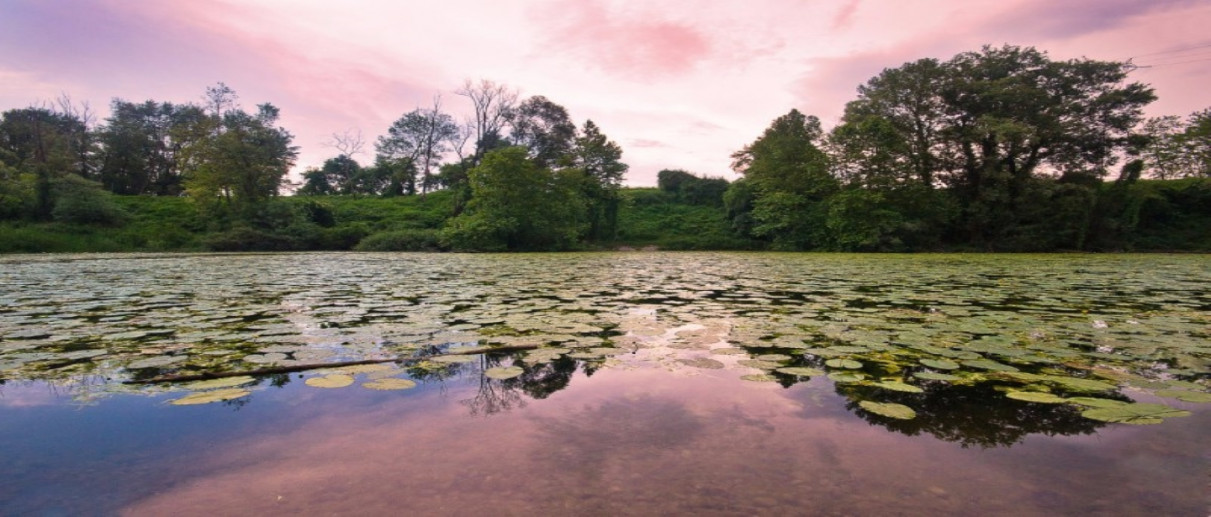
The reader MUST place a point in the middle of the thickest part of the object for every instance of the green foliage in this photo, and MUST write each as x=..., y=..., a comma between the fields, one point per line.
x=80, y=201
x=401, y=240
x=858, y=220
x=692, y=189
x=517, y=205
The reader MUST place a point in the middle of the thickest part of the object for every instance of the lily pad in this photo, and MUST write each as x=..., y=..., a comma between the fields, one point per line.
x=985, y=364
x=503, y=372
x=390, y=383
x=849, y=364
x=889, y=409
x=228, y=382
x=702, y=362
x=157, y=362
x=1135, y=414
x=940, y=364
x=1185, y=396
x=206, y=397
x=801, y=371
x=1095, y=402
x=336, y=380
x=759, y=377
x=453, y=359
x=1036, y=396
x=846, y=377
x=898, y=386
x=934, y=376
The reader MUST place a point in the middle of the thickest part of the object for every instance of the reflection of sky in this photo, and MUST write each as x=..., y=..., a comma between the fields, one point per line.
x=638, y=441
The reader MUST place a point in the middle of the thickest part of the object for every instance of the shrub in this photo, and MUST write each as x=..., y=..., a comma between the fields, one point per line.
x=401, y=240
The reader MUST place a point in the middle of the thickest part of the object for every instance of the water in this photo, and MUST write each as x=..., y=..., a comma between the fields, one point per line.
x=640, y=407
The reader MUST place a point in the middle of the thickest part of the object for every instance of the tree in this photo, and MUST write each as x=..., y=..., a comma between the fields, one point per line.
x=421, y=137
x=545, y=129
x=600, y=161
x=492, y=103
x=243, y=158
x=40, y=143
x=987, y=124
x=790, y=175
x=142, y=145
x=517, y=205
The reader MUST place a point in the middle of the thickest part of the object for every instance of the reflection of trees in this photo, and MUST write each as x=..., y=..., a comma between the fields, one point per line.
x=978, y=415
x=970, y=415
x=538, y=381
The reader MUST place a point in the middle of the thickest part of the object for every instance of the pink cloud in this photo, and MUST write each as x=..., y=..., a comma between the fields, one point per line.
x=624, y=43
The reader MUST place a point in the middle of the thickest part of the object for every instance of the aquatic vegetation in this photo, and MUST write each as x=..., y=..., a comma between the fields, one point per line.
x=1070, y=331
x=889, y=409
x=1137, y=414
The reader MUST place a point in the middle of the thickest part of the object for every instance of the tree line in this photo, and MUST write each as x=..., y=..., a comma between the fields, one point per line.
x=996, y=149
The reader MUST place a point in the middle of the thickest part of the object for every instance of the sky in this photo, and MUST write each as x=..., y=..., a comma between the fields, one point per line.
x=679, y=84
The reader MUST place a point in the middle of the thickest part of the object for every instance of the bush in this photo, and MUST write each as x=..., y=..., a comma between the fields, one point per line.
x=248, y=239
x=401, y=240
x=80, y=201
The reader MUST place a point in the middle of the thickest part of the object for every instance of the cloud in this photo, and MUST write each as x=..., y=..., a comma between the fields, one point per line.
x=846, y=14
x=634, y=45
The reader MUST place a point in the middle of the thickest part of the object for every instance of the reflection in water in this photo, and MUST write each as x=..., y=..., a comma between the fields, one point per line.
x=644, y=442
x=971, y=415
x=629, y=398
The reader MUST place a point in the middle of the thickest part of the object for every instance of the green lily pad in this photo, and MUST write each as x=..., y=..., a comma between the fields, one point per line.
x=1095, y=402
x=846, y=377
x=800, y=371
x=898, y=386
x=206, y=397
x=228, y=382
x=1185, y=396
x=985, y=364
x=453, y=359
x=1079, y=384
x=849, y=364
x=889, y=409
x=777, y=358
x=336, y=380
x=503, y=372
x=758, y=364
x=940, y=364
x=759, y=377
x=1036, y=396
x=363, y=368
x=157, y=362
x=390, y=384
x=1135, y=414
x=934, y=376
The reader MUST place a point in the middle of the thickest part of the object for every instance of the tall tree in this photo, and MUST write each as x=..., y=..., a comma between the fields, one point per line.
x=421, y=137
x=545, y=129
x=243, y=159
x=600, y=159
x=492, y=104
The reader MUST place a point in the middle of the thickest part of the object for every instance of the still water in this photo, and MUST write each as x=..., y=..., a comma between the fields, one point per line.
x=635, y=383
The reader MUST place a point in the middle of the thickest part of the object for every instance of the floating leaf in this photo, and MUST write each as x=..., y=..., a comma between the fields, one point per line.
x=390, y=384
x=843, y=363
x=758, y=364
x=503, y=372
x=1136, y=414
x=1095, y=402
x=157, y=362
x=846, y=377
x=759, y=377
x=702, y=362
x=228, y=382
x=933, y=376
x=940, y=364
x=453, y=359
x=1185, y=396
x=336, y=380
x=800, y=371
x=1036, y=396
x=889, y=409
x=898, y=386
x=985, y=364
x=777, y=358
x=206, y=397
x=363, y=368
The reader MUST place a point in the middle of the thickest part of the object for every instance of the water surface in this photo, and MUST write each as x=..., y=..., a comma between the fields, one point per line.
x=659, y=384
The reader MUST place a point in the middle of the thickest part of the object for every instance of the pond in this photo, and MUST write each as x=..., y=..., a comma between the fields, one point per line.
x=605, y=384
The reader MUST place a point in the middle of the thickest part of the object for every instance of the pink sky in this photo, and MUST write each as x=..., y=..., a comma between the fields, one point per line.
x=679, y=84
